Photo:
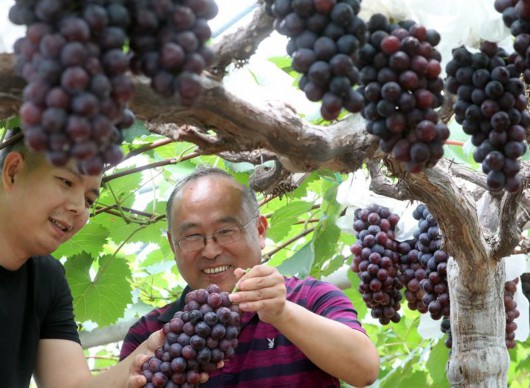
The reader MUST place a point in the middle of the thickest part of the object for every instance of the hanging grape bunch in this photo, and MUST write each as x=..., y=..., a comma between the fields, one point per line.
x=516, y=16
x=512, y=313
x=75, y=101
x=197, y=338
x=445, y=328
x=411, y=273
x=400, y=71
x=376, y=262
x=433, y=277
x=491, y=106
x=324, y=38
x=168, y=42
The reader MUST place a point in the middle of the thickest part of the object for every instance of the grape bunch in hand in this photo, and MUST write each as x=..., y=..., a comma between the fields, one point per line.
x=197, y=338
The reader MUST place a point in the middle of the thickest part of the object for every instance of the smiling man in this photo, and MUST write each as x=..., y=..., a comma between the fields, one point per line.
x=41, y=207
x=294, y=333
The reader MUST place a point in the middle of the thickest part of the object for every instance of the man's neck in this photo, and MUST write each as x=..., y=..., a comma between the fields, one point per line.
x=10, y=259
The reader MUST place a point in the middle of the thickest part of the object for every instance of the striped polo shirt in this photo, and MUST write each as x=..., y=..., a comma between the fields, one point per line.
x=264, y=357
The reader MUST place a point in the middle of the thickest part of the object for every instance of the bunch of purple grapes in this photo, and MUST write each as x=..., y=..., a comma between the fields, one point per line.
x=411, y=273
x=491, y=107
x=445, y=327
x=324, y=38
x=400, y=71
x=168, y=39
x=510, y=307
x=77, y=90
x=434, y=261
x=197, y=338
x=516, y=16
x=376, y=262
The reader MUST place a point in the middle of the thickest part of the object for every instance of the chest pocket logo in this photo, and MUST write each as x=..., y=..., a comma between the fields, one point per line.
x=270, y=343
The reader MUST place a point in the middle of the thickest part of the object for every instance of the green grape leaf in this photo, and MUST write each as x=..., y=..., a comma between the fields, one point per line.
x=154, y=233
x=137, y=130
x=300, y=263
x=121, y=190
x=325, y=241
x=284, y=217
x=436, y=363
x=104, y=298
x=90, y=239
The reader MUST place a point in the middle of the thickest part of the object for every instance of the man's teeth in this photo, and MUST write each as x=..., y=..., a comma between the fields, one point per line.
x=215, y=270
x=62, y=227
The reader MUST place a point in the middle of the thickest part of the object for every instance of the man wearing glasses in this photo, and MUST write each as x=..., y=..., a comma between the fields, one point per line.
x=295, y=333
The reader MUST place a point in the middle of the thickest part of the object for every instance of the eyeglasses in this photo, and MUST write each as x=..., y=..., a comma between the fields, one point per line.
x=223, y=236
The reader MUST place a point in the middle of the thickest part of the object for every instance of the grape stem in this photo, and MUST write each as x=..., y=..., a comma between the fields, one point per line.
x=454, y=142
x=236, y=289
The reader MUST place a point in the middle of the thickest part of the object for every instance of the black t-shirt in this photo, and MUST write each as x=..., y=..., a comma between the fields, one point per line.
x=35, y=303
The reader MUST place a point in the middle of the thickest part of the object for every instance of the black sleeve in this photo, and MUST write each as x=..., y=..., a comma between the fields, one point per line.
x=58, y=322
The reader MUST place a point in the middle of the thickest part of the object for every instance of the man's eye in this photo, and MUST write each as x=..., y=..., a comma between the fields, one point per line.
x=194, y=237
x=66, y=181
x=226, y=231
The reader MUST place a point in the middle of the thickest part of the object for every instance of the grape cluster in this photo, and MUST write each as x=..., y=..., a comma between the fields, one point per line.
x=516, y=16
x=75, y=101
x=411, y=273
x=445, y=327
x=434, y=261
x=324, y=38
x=168, y=43
x=196, y=339
x=491, y=107
x=376, y=262
x=510, y=307
x=400, y=71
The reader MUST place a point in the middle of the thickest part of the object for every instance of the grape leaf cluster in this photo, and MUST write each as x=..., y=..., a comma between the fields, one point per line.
x=324, y=38
x=491, y=107
x=401, y=84
x=376, y=262
x=204, y=333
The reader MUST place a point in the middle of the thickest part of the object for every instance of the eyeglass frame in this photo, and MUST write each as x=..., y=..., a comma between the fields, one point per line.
x=205, y=238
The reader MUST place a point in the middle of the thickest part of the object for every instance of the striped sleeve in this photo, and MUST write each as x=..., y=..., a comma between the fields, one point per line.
x=141, y=330
x=329, y=301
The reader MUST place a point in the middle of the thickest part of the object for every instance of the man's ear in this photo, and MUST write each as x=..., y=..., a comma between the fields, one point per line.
x=13, y=163
x=170, y=239
x=262, y=230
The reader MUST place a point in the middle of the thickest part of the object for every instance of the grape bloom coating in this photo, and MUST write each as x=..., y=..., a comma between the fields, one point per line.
x=197, y=338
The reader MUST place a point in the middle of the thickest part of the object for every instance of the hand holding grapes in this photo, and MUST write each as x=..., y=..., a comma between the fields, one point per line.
x=136, y=379
x=261, y=289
